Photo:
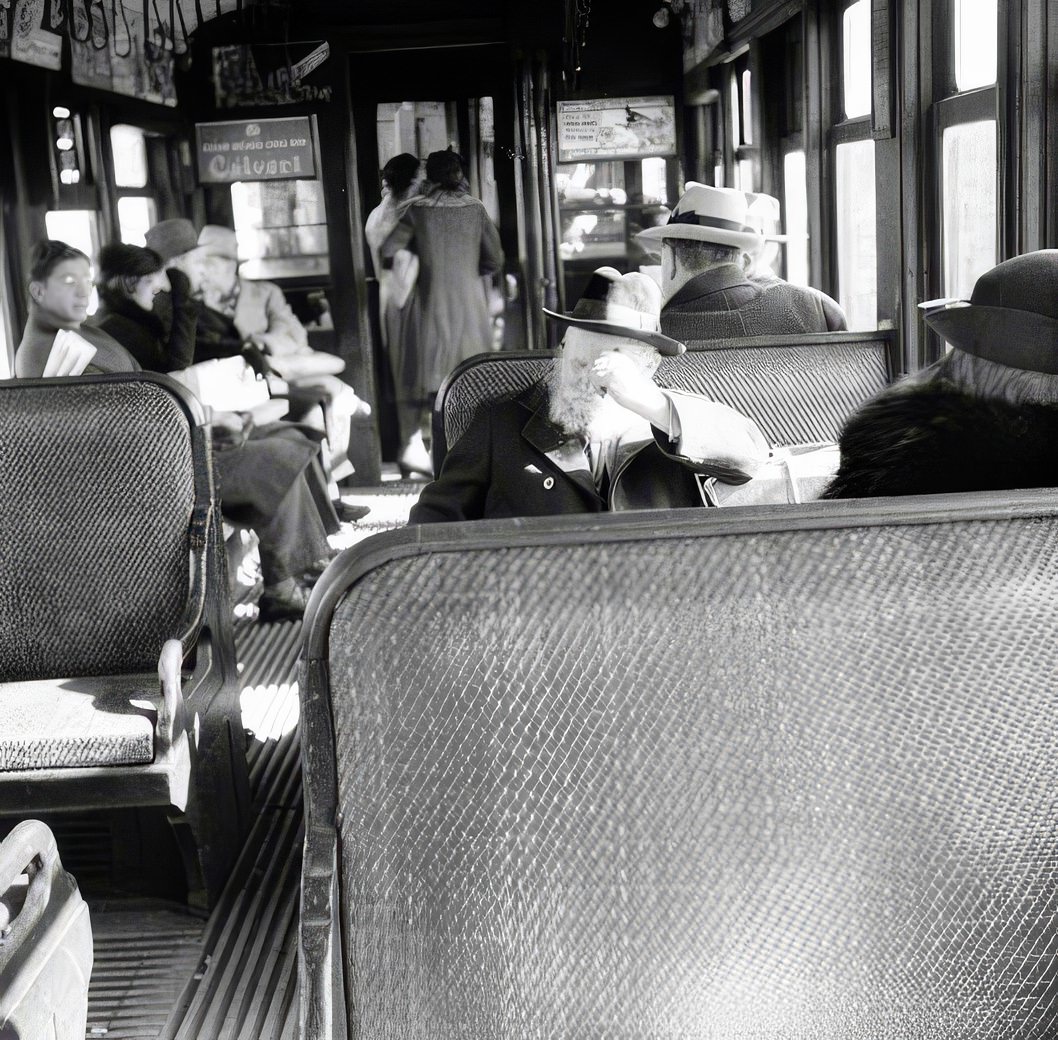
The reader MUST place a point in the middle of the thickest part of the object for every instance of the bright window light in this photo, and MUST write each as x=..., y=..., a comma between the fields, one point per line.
x=856, y=55
x=130, y=156
x=795, y=192
x=976, y=43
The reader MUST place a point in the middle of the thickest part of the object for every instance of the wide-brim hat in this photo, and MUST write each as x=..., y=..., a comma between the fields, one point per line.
x=707, y=214
x=1011, y=317
x=217, y=240
x=625, y=305
x=171, y=238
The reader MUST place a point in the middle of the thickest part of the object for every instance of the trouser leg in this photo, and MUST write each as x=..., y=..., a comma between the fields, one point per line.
x=294, y=539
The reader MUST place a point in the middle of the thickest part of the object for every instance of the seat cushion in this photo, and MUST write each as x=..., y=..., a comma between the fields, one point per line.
x=64, y=723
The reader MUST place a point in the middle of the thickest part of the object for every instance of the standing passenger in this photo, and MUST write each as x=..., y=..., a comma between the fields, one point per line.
x=707, y=294
x=448, y=320
x=400, y=188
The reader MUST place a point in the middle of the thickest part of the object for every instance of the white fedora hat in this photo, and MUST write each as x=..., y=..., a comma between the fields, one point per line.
x=707, y=214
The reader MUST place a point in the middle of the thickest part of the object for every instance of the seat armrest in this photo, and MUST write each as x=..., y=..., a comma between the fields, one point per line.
x=171, y=709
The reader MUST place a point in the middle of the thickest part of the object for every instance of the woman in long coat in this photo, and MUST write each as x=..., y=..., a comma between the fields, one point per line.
x=448, y=318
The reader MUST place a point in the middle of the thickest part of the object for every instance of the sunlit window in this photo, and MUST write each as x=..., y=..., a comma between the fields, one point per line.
x=857, y=249
x=718, y=174
x=736, y=128
x=744, y=179
x=969, y=204
x=130, y=156
x=795, y=199
x=976, y=43
x=654, y=189
x=78, y=228
x=135, y=215
x=747, y=108
x=856, y=63
x=281, y=228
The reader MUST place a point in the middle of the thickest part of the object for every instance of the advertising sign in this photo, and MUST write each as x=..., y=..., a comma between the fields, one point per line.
x=616, y=128
x=255, y=150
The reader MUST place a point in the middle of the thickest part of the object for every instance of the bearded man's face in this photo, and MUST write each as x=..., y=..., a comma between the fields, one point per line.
x=577, y=404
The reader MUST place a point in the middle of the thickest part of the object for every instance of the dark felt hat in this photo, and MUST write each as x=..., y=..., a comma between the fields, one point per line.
x=119, y=260
x=625, y=305
x=170, y=238
x=1012, y=316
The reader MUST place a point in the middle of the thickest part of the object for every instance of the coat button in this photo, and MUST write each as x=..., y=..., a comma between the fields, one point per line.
x=549, y=483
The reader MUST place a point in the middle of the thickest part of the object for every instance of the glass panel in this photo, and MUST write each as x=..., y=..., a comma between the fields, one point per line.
x=736, y=129
x=592, y=183
x=857, y=243
x=976, y=43
x=747, y=109
x=130, y=156
x=969, y=204
x=718, y=175
x=744, y=179
x=135, y=215
x=593, y=236
x=795, y=193
x=281, y=227
x=418, y=127
x=654, y=189
x=856, y=55
x=78, y=228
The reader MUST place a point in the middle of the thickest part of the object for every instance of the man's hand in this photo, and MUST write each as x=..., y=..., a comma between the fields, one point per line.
x=626, y=382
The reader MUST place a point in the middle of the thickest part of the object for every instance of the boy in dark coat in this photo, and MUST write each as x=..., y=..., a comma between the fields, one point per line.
x=983, y=417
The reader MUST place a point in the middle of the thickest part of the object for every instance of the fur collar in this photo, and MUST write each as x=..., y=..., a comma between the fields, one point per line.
x=121, y=306
x=936, y=438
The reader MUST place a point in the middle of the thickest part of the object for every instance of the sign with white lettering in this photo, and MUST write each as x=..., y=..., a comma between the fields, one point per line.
x=255, y=150
x=616, y=128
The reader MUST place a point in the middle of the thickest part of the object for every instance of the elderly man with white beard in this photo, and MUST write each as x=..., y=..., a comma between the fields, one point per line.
x=599, y=434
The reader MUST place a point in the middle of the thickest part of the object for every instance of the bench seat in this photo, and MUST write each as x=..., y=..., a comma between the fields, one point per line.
x=87, y=721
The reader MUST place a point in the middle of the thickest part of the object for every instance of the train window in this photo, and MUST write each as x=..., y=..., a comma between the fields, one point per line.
x=78, y=228
x=795, y=204
x=857, y=248
x=281, y=227
x=136, y=213
x=975, y=40
x=969, y=204
x=856, y=59
x=747, y=107
x=129, y=150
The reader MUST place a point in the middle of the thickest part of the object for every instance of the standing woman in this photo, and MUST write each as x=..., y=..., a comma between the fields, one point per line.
x=401, y=182
x=448, y=318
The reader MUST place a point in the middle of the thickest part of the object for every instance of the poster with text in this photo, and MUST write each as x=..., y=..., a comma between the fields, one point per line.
x=616, y=128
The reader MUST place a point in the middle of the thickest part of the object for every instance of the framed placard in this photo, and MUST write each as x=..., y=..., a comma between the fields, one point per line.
x=616, y=128
x=255, y=150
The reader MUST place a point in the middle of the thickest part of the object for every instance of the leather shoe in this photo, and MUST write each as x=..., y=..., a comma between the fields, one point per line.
x=315, y=571
x=349, y=513
x=282, y=606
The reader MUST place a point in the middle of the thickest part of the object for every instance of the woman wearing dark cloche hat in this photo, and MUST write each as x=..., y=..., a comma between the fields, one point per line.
x=983, y=417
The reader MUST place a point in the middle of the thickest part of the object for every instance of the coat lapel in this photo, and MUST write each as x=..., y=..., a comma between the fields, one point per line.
x=565, y=453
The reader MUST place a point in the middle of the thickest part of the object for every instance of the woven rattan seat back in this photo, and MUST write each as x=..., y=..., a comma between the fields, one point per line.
x=800, y=389
x=99, y=480
x=777, y=774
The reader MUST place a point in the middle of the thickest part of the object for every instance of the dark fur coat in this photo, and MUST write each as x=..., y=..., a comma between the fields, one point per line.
x=936, y=438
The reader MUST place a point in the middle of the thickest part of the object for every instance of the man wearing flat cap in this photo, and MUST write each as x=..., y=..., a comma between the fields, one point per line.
x=598, y=434
x=985, y=416
x=707, y=294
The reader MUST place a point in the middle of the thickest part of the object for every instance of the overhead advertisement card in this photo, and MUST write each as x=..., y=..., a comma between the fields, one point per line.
x=255, y=150
x=616, y=128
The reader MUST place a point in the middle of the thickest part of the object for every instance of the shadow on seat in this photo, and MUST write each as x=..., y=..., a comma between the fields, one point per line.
x=117, y=662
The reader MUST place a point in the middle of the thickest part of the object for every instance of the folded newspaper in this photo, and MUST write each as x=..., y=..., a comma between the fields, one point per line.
x=70, y=354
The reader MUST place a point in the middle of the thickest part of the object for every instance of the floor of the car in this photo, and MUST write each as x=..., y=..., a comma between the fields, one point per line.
x=163, y=973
